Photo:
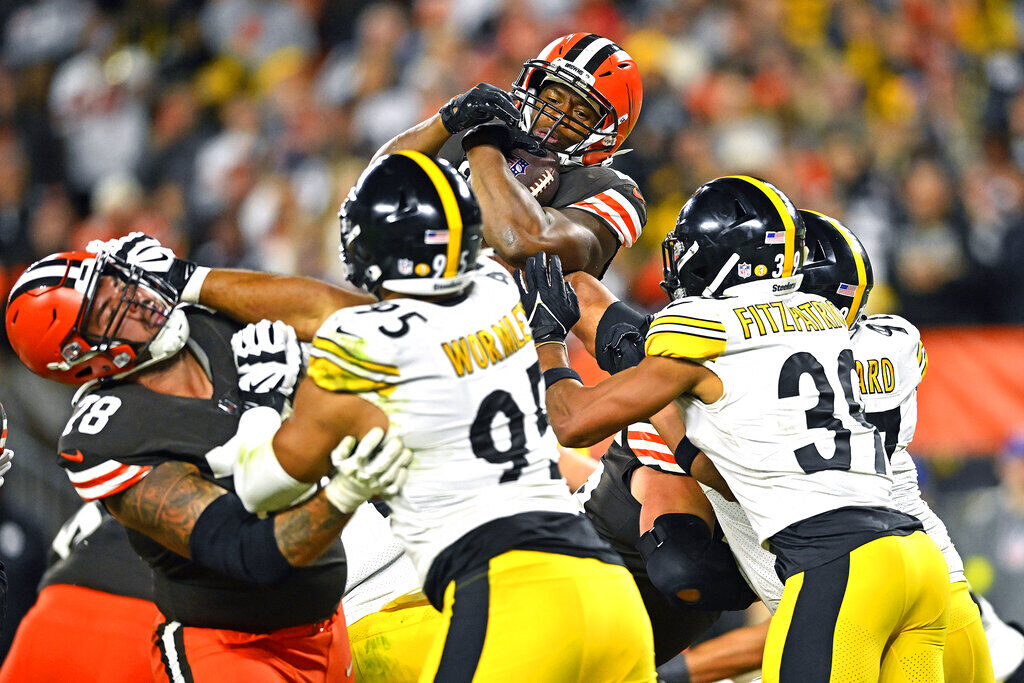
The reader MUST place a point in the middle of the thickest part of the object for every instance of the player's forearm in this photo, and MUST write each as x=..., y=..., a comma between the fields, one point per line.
x=305, y=532
x=250, y=296
x=662, y=493
x=736, y=652
x=427, y=137
x=594, y=300
x=513, y=221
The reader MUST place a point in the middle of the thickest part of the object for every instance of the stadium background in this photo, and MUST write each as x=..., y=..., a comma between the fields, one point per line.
x=232, y=129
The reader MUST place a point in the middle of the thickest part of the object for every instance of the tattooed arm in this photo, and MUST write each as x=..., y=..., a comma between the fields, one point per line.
x=166, y=504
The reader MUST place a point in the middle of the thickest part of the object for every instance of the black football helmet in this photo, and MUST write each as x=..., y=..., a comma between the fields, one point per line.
x=732, y=231
x=838, y=267
x=411, y=225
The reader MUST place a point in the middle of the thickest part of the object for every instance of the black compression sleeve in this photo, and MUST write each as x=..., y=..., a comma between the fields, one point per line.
x=230, y=540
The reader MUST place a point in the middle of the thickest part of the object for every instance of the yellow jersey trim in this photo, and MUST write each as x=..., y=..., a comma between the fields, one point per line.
x=693, y=322
x=683, y=345
x=332, y=347
x=330, y=376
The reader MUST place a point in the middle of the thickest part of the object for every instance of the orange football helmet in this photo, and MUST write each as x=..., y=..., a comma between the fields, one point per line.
x=598, y=70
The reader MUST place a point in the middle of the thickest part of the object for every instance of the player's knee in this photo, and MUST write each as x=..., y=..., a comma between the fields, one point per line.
x=688, y=565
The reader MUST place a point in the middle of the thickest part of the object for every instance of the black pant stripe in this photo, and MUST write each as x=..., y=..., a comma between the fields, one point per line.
x=602, y=54
x=807, y=657
x=580, y=45
x=467, y=630
x=173, y=658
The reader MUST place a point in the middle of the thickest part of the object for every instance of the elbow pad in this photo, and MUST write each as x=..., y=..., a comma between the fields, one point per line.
x=619, y=342
x=260, y=482
x=229, y=540
x=682, y=555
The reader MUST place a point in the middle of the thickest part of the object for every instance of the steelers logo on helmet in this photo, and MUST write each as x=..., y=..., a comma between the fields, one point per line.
x=733, y=231
x=76, y=317
x=411, y=225
x=598, y=71
x=837, y=267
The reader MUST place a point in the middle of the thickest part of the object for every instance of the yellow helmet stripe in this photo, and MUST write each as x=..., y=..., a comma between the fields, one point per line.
x=451, y=208
x=858, y=260
x=787, y=220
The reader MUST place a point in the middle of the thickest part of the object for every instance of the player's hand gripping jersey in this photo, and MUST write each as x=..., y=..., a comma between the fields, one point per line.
x=467, y=398
x=785, y=361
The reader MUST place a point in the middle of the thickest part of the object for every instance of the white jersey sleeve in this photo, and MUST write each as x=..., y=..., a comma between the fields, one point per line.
x=379, y=571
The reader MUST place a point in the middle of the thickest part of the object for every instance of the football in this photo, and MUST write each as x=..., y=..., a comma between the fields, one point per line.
x=539, y=175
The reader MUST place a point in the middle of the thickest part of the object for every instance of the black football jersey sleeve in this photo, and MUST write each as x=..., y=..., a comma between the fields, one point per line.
x=117, y=434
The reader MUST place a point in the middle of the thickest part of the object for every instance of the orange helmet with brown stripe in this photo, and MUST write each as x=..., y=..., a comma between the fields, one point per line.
x=603, y=74
x=733, y=231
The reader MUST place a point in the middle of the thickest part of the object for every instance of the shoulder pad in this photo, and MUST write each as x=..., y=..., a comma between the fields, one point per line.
x=608, y=194
x=353, y=350
x=691, y=329
x=100, y=449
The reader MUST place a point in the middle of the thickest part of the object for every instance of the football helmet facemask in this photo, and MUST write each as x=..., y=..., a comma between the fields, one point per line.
x=733, y=231
x=410, y=225
x=66, y=318
x=599, y=71
x=837, y=267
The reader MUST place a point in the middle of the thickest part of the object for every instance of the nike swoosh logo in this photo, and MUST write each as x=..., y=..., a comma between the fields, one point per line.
x=348, y=669
x=73, y=457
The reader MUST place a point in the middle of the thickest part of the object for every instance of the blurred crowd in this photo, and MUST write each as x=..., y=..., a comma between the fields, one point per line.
x=231, y=129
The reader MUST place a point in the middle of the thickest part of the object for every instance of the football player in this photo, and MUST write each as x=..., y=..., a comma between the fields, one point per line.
x=443, y=359
x=763, y=377
x=578, y=99
x=244, y=597
x=890, y=361
x=98, y=588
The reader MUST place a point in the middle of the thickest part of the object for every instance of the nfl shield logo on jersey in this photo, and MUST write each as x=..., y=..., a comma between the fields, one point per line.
x=404, y=266
x=743, y=270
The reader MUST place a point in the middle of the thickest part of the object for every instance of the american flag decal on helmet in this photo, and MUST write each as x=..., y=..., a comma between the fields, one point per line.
x=846, y=290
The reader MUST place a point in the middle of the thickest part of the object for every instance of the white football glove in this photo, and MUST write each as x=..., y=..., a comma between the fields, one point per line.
x=269, y=362
x=5, y=463
x=140, y=249
x=374, y=467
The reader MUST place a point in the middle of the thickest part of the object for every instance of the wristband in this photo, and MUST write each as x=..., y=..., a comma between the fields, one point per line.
x=558, y=374
x=190, y=292
x=685, y=453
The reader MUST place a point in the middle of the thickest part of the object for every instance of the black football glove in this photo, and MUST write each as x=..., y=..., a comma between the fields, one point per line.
x=478, y=105
x=139, y=249
x=549, y=301
x=505, y=138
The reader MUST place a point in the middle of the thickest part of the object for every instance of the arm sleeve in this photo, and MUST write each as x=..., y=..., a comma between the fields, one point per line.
x=688, y=332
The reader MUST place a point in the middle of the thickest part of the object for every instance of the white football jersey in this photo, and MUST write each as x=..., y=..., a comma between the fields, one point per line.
x=891, y=361
x=461, y=385
x=379, y=571
x=787, y=434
